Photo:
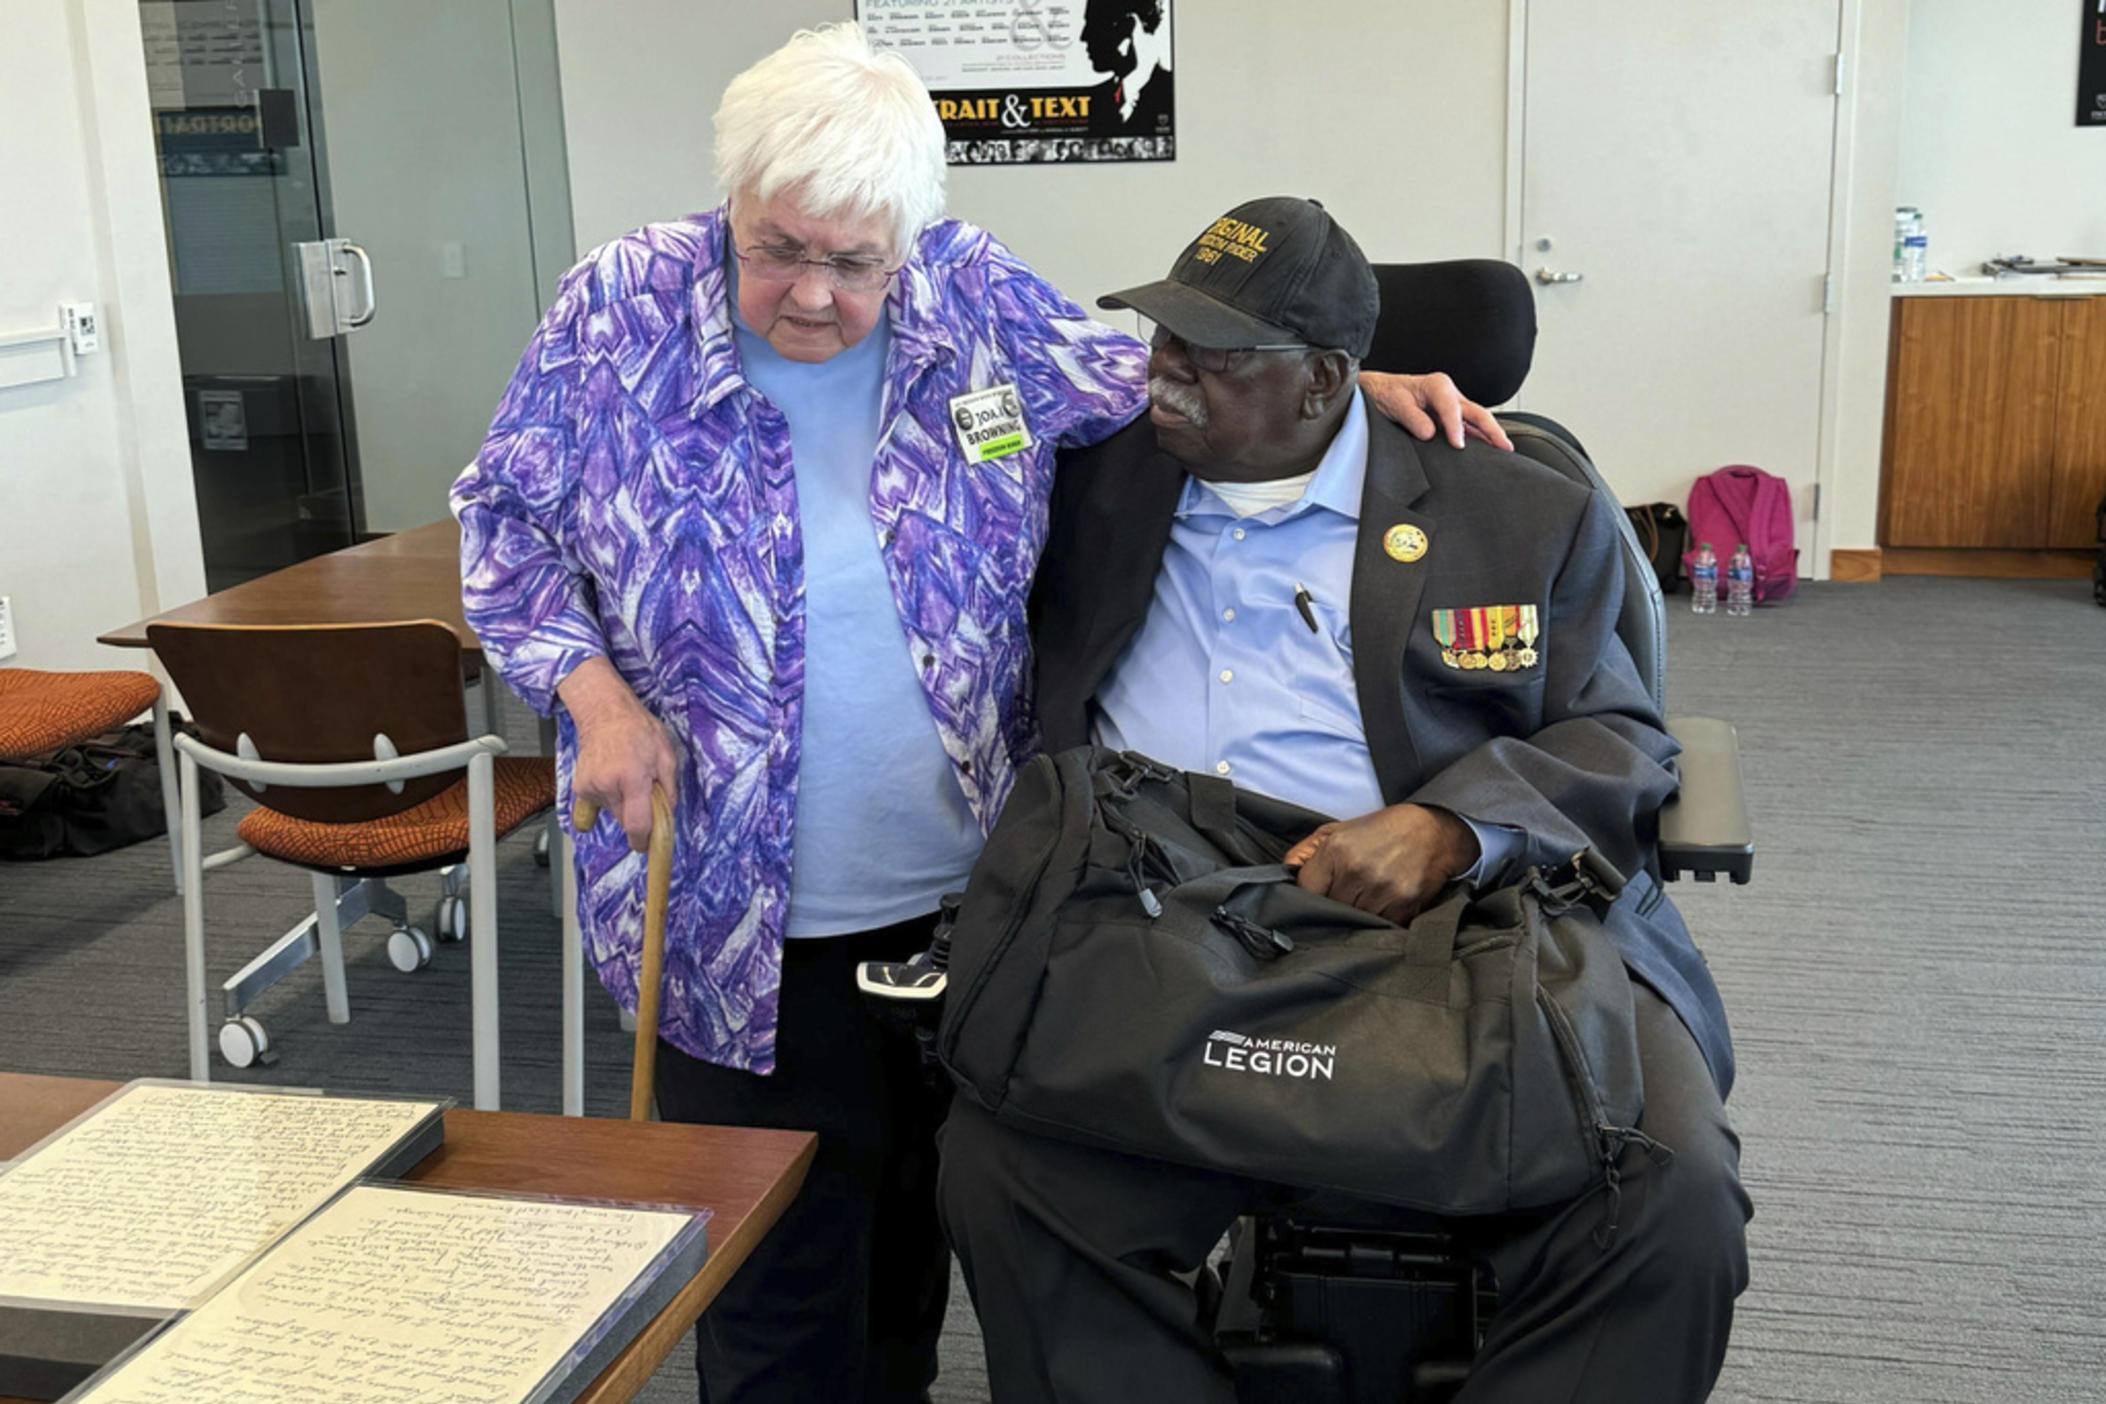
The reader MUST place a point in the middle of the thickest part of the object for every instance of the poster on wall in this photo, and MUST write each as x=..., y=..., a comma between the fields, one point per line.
x=1022, y=81
x=2091, y=66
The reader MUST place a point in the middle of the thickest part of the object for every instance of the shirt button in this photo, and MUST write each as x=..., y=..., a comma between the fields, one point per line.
x=1228, y=614
x=1237, y=533
x=1221, y=767
x=928, y=660
x=965, y=767
x=1228, y=674
x=884, y=538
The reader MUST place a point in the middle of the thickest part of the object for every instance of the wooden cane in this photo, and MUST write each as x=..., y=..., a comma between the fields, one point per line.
x=658, y=881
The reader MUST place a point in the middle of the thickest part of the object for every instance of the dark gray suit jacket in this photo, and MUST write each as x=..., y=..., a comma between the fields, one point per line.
x=1570, y=751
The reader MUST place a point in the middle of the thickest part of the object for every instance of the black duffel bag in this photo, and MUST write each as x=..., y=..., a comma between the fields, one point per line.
x=100, y=795
x=1664, y=534
x=1130, y=967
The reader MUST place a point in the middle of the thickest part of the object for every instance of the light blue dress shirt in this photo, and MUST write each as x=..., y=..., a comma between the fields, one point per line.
x=883, y=830
x=1227, y=676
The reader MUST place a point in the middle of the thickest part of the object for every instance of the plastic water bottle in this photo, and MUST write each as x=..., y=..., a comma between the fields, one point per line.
x=1915, y=249
x=1904, y=221
x=1703, y=580
x=1740, y=582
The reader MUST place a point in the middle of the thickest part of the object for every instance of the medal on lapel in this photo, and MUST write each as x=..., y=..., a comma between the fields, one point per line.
x=1404, y=542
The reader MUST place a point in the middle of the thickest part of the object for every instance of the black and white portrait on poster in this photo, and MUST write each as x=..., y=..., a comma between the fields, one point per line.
x=2091, y=66
x=1020, y=81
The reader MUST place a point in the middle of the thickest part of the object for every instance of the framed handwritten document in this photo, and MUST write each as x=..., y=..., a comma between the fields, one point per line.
x=137, y=1209
x=160, y=1191
x=401, y=1295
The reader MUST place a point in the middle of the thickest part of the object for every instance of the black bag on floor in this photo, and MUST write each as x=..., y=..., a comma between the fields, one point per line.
x=102, y=794
x=1664, y=533
x=2098, y=567
x=1132, y=968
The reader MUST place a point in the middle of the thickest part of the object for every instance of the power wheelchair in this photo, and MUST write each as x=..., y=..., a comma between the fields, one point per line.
x=1353, y=1303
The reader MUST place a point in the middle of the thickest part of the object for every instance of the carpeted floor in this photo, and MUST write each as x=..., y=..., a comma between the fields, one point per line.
x=1917, y=979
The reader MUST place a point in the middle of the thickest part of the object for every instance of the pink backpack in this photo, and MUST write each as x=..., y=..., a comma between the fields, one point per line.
x=1739, y=503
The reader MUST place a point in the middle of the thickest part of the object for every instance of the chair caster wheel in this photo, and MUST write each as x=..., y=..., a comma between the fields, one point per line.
x=242, y=1042
x=450, y=923
x=541, y=848
x=409, y=949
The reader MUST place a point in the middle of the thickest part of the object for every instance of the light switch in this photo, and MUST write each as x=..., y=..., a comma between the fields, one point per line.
x=452, y=262
x=7, y=627
x=82, y=326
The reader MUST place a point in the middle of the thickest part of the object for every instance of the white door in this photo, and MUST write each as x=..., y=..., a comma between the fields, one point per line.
x=1675, y=175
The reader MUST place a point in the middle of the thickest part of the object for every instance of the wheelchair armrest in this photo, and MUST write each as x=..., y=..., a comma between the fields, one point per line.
x=1704, y=828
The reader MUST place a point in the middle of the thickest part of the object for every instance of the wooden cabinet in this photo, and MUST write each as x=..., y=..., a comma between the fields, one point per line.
x=2080, y=430
x=1996, y=422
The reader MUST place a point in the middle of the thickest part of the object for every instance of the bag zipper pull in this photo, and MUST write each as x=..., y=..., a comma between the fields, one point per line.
x=1606, y=1234
x=1617, y=1137
x=1261, y=941
x=1613, y=1140
x=1136, y=860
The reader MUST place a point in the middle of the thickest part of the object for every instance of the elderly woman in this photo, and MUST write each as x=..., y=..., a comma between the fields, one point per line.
x=760, y=508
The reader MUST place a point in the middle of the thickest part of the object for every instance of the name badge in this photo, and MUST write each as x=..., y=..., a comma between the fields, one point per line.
x=990, y=423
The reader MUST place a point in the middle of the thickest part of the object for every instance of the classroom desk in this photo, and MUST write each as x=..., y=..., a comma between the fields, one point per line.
x=744, y=1176
x=414, y=574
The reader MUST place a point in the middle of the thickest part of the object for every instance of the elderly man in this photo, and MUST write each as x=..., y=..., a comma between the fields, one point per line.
x=1264, y=581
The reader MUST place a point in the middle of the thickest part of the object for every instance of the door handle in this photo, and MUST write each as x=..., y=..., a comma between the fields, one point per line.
x=1545, y=275
x=365, y=284
x=325, y=271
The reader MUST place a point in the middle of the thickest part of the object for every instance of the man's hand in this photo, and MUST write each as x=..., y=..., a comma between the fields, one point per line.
x=1426, y=403
x=622, y=748
x=1390, y=862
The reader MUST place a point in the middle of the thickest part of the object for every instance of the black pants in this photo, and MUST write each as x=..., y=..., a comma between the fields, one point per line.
x=1069, y=1252
x=844, y=1298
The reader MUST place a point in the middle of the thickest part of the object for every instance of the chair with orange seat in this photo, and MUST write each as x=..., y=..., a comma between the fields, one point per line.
x=42, y=712
x=352, y=740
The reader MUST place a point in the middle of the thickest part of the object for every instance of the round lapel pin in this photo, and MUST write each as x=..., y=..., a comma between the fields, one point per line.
x=1404, y=542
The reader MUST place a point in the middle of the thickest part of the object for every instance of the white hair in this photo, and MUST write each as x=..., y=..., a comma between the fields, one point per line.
x=851, y=129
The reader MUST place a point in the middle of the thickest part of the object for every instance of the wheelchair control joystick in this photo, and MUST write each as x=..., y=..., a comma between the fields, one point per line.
x=909, y=993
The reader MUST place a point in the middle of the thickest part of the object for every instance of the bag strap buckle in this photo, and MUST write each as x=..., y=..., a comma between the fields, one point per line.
x=1584, y=877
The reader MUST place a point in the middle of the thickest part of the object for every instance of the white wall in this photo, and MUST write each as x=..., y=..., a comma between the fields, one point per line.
x=1990, y=148
x=98, y=524
x=1392, y=112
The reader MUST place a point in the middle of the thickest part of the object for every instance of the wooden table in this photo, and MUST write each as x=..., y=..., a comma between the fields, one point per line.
x=413, y=574
x=746, y=1177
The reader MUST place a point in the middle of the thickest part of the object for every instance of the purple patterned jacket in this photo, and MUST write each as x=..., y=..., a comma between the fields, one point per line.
x=635, y=498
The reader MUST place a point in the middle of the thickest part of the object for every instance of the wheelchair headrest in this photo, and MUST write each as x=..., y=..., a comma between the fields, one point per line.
x=1474, y=318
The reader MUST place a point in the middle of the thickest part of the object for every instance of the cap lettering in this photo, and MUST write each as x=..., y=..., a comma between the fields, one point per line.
x=1233, y=237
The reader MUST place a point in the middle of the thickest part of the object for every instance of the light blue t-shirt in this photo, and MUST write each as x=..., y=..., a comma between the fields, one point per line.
x=883, y=829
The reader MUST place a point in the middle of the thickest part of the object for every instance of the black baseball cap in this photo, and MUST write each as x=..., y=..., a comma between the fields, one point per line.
x=1268, y=272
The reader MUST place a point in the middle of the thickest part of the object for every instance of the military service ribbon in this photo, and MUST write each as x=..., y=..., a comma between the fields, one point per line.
x=1499, y=637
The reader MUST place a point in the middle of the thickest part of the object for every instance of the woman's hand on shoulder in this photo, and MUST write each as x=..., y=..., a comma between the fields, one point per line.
x=622, y=748
x=1424, y=404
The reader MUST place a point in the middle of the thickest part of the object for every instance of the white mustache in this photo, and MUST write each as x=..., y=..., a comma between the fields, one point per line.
x=1178, y=399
